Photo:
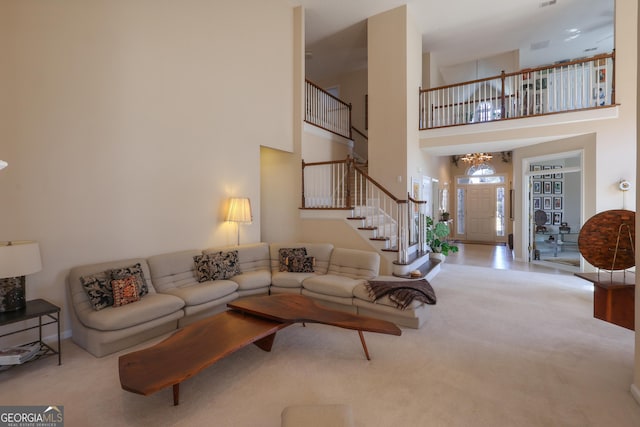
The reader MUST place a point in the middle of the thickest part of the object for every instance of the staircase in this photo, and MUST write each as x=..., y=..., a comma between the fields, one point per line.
x=381, y=219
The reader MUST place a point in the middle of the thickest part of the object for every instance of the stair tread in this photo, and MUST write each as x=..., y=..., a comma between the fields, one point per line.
x=368, y=228
x=359, y=218
x=381, y=238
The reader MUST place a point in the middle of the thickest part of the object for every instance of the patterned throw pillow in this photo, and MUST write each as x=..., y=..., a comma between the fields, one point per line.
x=288, y=256
x=202, y=267
x=216, y=266
x=136, y=271
x=125, y=291
x=98, y=288
x=224, y=265
x=302, y=265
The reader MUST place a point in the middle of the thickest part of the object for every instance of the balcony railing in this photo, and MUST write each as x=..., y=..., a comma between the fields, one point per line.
x=326, y=111
x=570, y=86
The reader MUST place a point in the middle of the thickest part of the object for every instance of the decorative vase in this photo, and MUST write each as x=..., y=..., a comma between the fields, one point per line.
x=437, y=255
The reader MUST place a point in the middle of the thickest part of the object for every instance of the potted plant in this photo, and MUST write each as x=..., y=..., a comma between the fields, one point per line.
x=436, y=238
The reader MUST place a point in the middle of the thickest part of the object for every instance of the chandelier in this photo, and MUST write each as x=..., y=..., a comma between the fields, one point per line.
x=476, y=158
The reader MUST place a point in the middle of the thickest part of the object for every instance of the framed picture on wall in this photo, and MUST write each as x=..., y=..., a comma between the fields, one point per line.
x=536, y=203
x=557, y=175
x=546, y=204
x=536, y=168
x=557, y=203
x=537, y=187
x=557, y=187
x=546, y=187
x=546, y=168
x=548, y=217
x=557, y=218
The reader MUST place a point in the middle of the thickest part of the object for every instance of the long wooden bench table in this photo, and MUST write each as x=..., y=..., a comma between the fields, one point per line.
x=252, y=320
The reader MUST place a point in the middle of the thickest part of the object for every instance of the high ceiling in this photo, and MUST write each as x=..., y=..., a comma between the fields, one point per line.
x=457, y=31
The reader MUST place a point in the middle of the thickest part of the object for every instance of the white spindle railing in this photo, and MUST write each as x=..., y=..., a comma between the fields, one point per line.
x=326, y=111
x=343, y=185
x=576, y=85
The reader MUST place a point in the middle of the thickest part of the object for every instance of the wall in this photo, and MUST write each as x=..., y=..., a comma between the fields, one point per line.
x=353, y=88
x=480, y=68
x=127, y=125
x=387, y=53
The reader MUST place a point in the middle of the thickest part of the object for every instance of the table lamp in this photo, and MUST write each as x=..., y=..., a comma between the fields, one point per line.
x=17, y=259
x=239, y=211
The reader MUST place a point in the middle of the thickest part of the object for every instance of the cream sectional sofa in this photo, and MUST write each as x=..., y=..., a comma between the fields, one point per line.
x=177, y=298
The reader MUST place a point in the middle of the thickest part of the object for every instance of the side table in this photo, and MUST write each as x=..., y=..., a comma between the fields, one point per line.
x=41, y=309
x=613, y=297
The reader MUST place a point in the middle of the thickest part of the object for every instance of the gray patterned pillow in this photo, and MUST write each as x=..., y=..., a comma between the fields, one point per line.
x=99, y=290
x=302, y=265
x=224, y=265
x=136, y=271
x=216, y=266
x=288, y=256
x=202, y=267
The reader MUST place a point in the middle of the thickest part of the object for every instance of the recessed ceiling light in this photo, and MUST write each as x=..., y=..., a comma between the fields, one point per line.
x=547, y=3
x=591, y=49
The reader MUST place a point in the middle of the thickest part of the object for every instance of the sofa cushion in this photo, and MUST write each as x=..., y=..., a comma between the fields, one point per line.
x=125, y=291
x=331, y=284
x=200, y=293
x=289, y=280
x=174, y=269
x=98, y=288
x=253, y=280
x=354, y=263
x=151, y=307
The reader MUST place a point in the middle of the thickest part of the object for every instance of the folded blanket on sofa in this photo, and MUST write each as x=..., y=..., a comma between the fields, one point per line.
x=403, y=292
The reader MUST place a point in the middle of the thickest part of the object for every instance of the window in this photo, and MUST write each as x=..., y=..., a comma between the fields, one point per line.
x=500, y=212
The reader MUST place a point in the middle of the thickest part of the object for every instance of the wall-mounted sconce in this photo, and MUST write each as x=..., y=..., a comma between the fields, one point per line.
x=239, y=212
x=624, y=185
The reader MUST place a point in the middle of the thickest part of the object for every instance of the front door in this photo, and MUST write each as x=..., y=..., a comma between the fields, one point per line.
x=481, y=213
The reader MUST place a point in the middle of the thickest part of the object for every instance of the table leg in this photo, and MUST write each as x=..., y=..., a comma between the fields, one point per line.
x=176, y=394
x=364, y=344
x=59, y=344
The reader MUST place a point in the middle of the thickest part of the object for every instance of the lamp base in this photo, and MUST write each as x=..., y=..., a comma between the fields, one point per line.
x=12, y=294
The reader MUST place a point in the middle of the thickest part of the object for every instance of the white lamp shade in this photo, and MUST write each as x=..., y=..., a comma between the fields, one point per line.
x=19, y=258
x=239, y=210
x=3, y=164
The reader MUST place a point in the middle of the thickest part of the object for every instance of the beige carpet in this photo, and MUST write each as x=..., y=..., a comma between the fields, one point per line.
x=501, y=348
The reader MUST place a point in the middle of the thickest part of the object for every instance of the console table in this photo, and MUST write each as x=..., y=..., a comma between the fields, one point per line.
x=40, y=309
x=613, y=297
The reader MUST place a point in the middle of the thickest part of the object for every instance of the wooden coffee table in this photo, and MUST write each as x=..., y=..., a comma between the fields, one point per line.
x=253, y=320
x=294, y=308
